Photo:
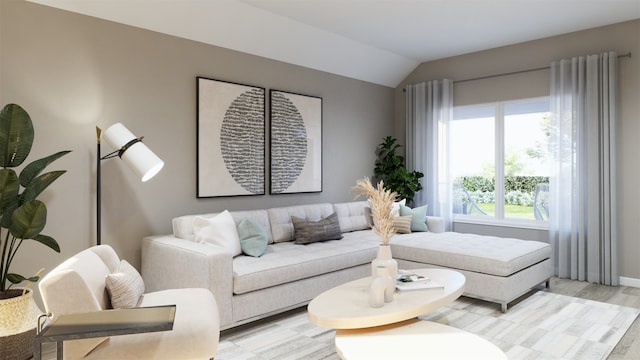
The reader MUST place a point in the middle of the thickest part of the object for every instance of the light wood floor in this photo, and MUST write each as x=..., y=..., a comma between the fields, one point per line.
x=629, y=346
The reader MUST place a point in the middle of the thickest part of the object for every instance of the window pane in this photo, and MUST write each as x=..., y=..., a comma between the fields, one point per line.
x=472, y=160
x=526, y=137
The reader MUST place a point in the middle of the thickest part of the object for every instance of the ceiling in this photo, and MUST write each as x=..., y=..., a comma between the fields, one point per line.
x=379, y=41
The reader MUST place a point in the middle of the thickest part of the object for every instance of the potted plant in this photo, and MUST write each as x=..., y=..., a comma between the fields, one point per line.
x=390, y=168
x=22, y=216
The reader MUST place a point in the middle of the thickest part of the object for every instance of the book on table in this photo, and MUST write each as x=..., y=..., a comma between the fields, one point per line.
x=410, y=281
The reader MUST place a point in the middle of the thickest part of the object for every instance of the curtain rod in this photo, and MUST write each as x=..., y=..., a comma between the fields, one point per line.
x=520, y=71
x=517, y=72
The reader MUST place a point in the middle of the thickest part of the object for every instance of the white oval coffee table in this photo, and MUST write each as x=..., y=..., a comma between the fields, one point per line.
x=415, y=339
x=347, y=306
x=392, y=331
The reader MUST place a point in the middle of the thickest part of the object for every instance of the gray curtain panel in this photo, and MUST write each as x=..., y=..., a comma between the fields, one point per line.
x=582, y=186
x=429, y=110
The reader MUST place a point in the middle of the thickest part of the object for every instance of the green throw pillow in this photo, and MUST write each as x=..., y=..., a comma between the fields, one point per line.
x=253, y=239
x=419, y=220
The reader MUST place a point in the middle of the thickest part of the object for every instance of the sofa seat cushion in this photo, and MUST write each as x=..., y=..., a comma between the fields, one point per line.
x=478, y=253
x=286, y=262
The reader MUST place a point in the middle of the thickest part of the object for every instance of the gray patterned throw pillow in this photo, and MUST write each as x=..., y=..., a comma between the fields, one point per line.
x=308, y=231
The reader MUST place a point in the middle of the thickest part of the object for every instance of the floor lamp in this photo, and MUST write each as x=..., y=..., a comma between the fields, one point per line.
x=144, y=163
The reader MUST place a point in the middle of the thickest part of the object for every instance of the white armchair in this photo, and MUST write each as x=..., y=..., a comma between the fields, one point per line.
x=78, y=285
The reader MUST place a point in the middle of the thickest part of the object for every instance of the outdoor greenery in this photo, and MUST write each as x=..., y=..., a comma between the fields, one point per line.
x=22, y=216
x=511, y=198
x=390, y=168
x=519, y=195
x=512, y=183
x=516, y=211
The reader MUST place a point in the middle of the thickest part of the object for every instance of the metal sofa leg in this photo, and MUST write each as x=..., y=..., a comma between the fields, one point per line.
x=503, y=307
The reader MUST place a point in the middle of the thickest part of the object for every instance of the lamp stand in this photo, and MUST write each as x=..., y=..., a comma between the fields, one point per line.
x=98, y=189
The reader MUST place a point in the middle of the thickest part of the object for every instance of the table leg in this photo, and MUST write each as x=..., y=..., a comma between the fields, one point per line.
x=37, y=350
x=59, y=350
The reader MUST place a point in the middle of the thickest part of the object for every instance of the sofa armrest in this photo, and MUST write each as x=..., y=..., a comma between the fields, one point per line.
x=172, y=263
x=435, y=224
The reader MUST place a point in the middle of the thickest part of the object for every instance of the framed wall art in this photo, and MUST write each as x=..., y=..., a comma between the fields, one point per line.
x=296, y=143
x=230, y=139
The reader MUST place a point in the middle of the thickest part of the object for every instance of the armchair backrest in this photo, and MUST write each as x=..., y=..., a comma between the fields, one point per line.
x=78, y=284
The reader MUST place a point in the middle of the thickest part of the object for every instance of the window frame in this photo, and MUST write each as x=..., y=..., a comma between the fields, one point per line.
x=498, y=219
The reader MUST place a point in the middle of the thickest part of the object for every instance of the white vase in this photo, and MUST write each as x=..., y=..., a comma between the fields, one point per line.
x=389, y=284
x=377, y=290
x=384, y=258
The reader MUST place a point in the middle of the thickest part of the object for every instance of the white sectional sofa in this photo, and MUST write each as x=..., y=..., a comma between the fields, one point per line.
x=289, y=275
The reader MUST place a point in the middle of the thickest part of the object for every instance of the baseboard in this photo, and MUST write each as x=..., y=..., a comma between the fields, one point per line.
x=629, y=282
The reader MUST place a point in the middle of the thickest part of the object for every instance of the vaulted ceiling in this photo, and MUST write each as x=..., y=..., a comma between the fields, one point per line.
x=379, y=41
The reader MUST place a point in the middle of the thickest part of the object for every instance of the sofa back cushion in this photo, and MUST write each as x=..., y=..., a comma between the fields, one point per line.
x=280, y=218
x=183, y=225
x=351, y=215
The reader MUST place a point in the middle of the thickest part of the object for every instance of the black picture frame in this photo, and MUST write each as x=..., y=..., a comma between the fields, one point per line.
x=231, y=136
x=295, y=143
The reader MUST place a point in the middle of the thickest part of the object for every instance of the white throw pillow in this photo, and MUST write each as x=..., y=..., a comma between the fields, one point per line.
x=395, y=209
x=219, y=230
x=125, y=286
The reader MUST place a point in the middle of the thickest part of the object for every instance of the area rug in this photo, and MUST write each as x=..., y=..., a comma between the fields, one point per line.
x=542, y=326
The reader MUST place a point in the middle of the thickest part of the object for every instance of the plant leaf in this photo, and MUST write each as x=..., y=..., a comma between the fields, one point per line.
x=37, y=185
x=16, y=135
x=35, y=168
x=28, y=220
x=17, y=278
x=48, y=241
x=9, y=188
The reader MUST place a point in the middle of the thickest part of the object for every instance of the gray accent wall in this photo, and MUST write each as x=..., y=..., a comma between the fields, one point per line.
x=73, y=72
x=622, y=38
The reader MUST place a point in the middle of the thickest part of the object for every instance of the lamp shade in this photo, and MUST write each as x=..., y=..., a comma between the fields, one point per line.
x=144, y=163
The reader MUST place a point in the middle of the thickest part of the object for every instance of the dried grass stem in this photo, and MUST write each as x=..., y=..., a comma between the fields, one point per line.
x=381, y=202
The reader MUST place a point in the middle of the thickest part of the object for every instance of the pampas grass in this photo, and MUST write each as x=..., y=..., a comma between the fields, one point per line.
x=381, y=202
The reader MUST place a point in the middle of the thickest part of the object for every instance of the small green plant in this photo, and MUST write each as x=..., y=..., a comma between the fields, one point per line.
x=390, y=168
x=22, y=216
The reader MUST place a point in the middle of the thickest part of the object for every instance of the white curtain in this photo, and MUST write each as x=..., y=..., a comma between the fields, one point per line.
x=429, y=109
x=582, y=184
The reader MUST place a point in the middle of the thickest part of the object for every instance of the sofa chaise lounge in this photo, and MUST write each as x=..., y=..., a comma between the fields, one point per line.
x=289, y=275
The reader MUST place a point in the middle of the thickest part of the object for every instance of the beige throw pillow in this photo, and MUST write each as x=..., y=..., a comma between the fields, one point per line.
x=125, y=286
x=403, y=224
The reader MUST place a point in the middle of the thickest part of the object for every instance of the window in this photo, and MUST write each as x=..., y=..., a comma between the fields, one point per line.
x=499, y=160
